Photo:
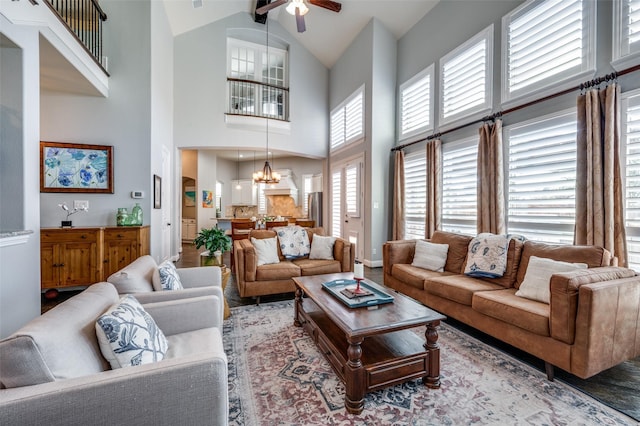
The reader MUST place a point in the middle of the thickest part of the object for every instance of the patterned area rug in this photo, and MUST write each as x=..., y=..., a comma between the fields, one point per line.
x=277, y=376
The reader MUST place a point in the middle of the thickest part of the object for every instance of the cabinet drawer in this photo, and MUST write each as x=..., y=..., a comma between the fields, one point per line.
x=120, y=234
x=69, y=235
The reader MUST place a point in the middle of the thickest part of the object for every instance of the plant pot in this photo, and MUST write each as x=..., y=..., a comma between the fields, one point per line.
x=207, y=260
x=66, y=224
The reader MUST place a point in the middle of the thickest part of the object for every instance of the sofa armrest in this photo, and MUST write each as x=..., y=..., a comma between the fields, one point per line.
x=564, y=299
x=344, y=252
x=607, y=325
x=183, y=315
x=246, y=260
x=399, y=251
x=123, y=396
x=200, y=276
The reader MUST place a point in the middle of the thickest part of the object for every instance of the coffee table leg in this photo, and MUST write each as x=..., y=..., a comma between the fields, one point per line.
x=297, y=307
x=432, y=380
x=354, y=378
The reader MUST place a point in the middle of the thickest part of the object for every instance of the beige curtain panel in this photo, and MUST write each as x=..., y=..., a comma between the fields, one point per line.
x=398, y=197
x=434, y=187
x=599, y=205
x=491, y=204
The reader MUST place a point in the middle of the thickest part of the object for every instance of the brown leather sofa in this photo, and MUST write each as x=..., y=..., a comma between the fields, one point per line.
x=591, y=323
x=255, y=281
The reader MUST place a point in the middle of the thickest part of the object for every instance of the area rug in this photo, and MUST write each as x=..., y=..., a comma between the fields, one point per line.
x=277, y=376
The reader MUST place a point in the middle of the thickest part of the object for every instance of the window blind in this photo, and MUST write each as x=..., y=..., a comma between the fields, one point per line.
x=631, y=139
x=336, y=210
x=337, y=128
x=353, y=118
x=542, y=178
x=459, y=186
x=415, y=104
x=352, y=183
x=415, y=195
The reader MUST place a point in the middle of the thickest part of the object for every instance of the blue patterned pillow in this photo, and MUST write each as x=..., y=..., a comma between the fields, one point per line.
x=487, y=256
x=129, y=336
x=293, y=241
x=169, y=278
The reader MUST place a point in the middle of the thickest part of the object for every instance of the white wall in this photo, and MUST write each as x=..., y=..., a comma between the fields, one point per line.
x=20, y=264
x=200, y=92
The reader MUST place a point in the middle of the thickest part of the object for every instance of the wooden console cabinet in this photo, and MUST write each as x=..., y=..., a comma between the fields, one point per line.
x=72, y=257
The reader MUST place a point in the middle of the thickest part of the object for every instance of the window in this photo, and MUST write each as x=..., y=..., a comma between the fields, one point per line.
x=542, y=178
x=351, y=190
x=626, y=34
x=347, y=120
x=336, y=210
x=416, y=104
x=262, y=199
x=219, y=196
x=547, y=45
x=459, y=186
x=630, y=126
x=257, y=84
x=415, y=194
x=307, y=181
x=465, y=78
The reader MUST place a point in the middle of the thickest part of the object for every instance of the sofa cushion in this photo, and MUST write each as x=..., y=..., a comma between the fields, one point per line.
x=505, y=306
x=169, y=278
x=139, y=276
x=593, y=256
x=129, y=336
x=277, y=271
x=430, y=256
x=59, y=344
x=458, y=246
x=317, y=266
x=266, y=250
x=322, y=247
x=459, y=288
x=414, y=276
x=194, y=342
x=514, y=252
x=537, y=279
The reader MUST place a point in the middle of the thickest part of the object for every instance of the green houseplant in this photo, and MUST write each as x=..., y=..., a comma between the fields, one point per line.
x=216, y=242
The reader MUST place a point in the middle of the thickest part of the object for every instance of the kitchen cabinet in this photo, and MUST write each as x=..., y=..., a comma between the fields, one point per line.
x=244, y=195
x=70, y=257
x=123, y=245
x=188, y=229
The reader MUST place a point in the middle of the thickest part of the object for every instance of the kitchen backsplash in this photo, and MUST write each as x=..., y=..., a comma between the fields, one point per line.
x=277, y=205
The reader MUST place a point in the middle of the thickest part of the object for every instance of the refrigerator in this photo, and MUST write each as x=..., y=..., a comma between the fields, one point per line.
x=315, y=207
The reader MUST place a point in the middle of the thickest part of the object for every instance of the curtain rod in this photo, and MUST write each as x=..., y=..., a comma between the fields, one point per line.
x=582, y=86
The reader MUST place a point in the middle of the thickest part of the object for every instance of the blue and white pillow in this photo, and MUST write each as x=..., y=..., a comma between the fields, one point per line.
x=487, y=256
x=129, y=336
x=169, y=278
x=293, y=241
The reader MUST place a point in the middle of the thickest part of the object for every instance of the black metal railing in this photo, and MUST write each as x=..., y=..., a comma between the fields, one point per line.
x=254, y=99
x=84, y=18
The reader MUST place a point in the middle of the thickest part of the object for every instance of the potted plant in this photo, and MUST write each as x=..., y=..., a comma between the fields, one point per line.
x=216, y=242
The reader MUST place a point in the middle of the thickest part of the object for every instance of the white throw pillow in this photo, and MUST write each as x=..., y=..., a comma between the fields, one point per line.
x=430, y=256
x=322, y=247
x=129, y=336
x=537, y=278
x=169, y=278
x=266, y=249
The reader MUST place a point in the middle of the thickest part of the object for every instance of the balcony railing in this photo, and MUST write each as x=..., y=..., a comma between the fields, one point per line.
x=84, y=18
x=254, y=99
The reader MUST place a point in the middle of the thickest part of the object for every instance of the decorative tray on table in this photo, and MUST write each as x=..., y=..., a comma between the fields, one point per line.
x=343, y=290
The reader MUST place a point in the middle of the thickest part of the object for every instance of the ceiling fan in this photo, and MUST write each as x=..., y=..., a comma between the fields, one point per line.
x=297, y=8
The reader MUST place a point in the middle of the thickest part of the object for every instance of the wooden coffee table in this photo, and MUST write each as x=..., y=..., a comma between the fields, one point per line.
x=369, y=348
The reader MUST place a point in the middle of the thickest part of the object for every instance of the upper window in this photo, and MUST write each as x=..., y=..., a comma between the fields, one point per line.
x=465, y=78
x=459, y=186
x=630, y=127
x=415, y=194
x=347, y=120
x=548, y=45
x=307, y=186
x=542, y=178
x=416, y=104
x=257, y=85
x=626, y=36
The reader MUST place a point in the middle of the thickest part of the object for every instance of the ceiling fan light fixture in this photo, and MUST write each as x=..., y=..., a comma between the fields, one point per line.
x=297, y=4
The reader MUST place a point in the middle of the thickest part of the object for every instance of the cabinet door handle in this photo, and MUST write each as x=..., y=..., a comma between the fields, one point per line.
x=119, y=236
x=62, y=264
x=84, y=237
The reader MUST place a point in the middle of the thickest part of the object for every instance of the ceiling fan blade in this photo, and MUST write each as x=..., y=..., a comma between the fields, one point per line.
x=300, y=21
x=333, y=6
x=264, y=9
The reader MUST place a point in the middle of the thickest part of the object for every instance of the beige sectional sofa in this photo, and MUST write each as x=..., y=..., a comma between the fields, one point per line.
x=52, y=370
x=255, y=281
x=591, y=323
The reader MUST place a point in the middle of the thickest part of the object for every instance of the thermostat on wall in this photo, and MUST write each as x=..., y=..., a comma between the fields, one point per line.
x=137, y=194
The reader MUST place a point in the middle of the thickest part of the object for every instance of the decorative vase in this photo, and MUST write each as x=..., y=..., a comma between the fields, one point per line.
x=121, y=216
x=136, y=213
x=215, y=260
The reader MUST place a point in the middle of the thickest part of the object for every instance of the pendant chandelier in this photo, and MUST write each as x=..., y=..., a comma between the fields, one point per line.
x=266, y=175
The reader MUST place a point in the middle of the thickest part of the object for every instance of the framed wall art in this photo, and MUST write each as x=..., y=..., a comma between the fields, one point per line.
x=75, y=167
x=157, y=192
